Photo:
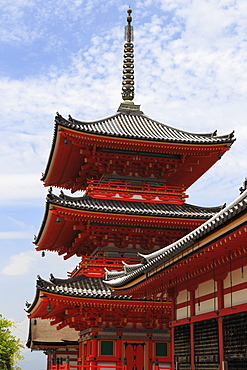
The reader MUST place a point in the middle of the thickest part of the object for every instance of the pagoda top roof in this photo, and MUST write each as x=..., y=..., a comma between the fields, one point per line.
x=152, y=261
x=134, y=124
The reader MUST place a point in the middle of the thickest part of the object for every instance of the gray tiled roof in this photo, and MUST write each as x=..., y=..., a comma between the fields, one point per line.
x=118, y=279
x=78, y=287
x=131, y=207
x=136, y=125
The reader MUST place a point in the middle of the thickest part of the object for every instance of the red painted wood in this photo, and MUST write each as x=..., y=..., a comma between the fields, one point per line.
x=192, y=349
x=134, y=353
x=210, y=315
x=221, y=341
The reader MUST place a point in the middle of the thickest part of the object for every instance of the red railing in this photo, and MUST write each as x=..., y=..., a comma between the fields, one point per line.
x=67, y=366
x=109, y=189
x=95, y=265
x=128, y=186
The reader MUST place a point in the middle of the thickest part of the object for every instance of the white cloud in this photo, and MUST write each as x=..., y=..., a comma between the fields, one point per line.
x=16, y=235
x=188, y=74
x=19, y=264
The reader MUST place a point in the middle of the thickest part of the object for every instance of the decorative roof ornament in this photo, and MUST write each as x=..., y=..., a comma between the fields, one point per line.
x=244, y=187
x=128, y=68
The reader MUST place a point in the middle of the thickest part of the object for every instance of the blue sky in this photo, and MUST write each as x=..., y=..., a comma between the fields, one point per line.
x=66, y=56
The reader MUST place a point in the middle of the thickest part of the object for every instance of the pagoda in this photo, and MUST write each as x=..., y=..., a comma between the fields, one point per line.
x=134, y=172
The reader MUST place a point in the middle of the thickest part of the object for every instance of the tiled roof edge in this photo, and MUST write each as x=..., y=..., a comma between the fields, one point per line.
x=156, y=258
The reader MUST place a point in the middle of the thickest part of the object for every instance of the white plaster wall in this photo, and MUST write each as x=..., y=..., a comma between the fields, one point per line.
x=183, y=313
x=206, y=306
x=237, y=298
x=236, y=278
x=205, y=288
x=182, y=296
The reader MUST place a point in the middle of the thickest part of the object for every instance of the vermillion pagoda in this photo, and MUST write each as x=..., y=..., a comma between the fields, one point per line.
x=135, y=172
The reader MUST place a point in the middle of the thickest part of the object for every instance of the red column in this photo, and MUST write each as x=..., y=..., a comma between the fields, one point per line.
x=119, y=354
x=220, y=294
x=173, y=296
x=220, y=298
x=192, y=313
x=221, y=341
x=150, y=355
x=80, y=354
x=93, y=362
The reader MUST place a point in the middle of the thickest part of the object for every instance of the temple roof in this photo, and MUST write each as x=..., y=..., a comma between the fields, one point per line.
x=131, y=207
x=79, y=287
x=155, y=259
x=136, y=125
x=92, y=206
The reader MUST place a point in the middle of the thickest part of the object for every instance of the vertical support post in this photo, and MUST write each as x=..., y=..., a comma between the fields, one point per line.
x=192, y=347
x=150, y=354
x=119, y=354
x=156, y=366
x=192, y=338
x=221, y=342
x=93, y=363
x=221, y=304
x=125, y=363
x=173, y=295
x=173, y=347
x=220, y=294
x=67, y=367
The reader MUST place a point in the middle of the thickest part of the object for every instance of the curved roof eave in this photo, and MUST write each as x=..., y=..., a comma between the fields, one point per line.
x=125, y=207
x=154, y=259
x=141, y=127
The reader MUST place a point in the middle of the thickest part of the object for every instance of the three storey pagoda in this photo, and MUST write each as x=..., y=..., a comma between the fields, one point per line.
x=134, y=172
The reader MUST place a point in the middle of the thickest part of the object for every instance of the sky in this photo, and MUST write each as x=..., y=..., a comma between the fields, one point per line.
x=66, y=56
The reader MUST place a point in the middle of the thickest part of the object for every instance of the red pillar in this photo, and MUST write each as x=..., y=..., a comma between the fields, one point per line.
x=173, y=347
x=192, y=313
x=119, y=353
x=221, y=341
x=172, y=294
x=93, y=356
x=150, y=355
x=220, y=298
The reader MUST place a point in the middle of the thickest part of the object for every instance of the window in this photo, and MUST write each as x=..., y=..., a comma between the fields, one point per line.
x=161, y=349
x=106, y=347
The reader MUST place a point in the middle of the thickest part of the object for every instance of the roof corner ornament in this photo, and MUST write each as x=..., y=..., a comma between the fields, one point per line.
x=128, y=68
x=244, y=187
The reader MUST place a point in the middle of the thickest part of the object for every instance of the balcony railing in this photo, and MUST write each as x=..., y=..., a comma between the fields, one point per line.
x=142, y=192
x=67, y=366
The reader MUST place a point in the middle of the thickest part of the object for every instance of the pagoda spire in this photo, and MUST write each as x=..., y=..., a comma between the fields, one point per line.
x=128, y=62
x=128, y=87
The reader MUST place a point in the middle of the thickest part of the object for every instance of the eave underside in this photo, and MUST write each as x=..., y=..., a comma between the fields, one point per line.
x=78, y=156
x=76, y=231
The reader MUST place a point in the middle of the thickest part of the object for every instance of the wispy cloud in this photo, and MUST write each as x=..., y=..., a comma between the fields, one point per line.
x=16, y=235
x=19, y=264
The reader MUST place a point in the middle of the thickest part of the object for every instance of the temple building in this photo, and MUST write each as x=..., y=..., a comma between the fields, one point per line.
x=119, y=307
x=205, y=276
